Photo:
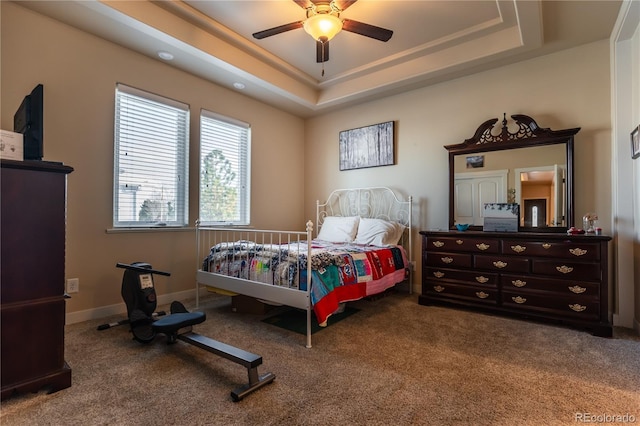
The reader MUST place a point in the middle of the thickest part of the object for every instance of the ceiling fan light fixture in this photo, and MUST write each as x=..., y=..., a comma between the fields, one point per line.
x=322, y=25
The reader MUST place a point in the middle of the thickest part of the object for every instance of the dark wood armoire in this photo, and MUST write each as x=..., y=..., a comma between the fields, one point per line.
x=32, y=298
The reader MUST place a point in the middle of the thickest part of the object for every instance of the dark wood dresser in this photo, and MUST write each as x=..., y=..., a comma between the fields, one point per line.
x=32, y=253
x=552, y=277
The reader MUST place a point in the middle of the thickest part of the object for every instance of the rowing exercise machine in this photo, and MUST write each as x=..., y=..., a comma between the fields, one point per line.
x=139, y=295
x=140, y=298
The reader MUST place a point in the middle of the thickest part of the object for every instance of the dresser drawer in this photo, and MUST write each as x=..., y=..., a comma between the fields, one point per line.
x=457, y=260
x=556, y=249
x=502, y=263
x=567, y=270
x=469, y=277
x=464, y=244
x=460, y=291
x=561, y=287
x=586, y=308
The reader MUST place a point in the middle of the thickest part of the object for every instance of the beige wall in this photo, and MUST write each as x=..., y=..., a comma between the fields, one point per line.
x=563, y=90
x=79, y=73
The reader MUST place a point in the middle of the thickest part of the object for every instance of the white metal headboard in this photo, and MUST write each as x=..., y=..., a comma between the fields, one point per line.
x=375, y=202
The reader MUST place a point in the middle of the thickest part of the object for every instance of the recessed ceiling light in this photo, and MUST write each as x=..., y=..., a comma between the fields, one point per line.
x=239, y=86
x=165, y=55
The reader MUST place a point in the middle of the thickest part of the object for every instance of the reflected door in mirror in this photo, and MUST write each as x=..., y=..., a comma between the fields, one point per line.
x=473, y=189
x=535, y=213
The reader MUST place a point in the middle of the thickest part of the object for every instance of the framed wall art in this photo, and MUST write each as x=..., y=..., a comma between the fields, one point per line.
x=369, y=146
x=635, y=143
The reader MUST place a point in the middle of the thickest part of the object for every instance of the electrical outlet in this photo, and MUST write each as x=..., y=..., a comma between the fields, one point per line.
x=73, y=285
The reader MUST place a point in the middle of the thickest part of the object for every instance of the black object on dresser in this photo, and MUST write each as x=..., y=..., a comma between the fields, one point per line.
x=544, y=276
x=32, y=253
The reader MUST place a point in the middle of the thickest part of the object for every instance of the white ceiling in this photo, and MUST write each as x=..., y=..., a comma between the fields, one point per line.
x=432, y=41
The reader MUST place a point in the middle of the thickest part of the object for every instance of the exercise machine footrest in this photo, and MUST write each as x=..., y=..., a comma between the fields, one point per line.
x=247, y=359
x=245, y=390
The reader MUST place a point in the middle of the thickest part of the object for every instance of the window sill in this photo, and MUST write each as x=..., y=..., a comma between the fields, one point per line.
x=150, y=229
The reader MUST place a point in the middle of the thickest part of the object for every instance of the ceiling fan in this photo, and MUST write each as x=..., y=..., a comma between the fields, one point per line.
x=323, y=23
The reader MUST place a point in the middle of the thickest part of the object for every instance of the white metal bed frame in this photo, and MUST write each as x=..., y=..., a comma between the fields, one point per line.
x=374, y=202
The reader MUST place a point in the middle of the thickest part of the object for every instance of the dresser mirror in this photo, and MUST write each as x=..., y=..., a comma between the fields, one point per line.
x=518, y=162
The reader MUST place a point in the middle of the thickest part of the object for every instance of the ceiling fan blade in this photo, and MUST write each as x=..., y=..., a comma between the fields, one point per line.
x=277, y=30
x=344, y=4
x=322, y=51
x=303, y=3
x=367, y=30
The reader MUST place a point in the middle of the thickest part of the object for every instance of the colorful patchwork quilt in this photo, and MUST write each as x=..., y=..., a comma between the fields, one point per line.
x=339, y=272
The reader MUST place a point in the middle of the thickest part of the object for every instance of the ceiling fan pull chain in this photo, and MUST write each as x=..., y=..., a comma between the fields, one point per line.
x=324, y=55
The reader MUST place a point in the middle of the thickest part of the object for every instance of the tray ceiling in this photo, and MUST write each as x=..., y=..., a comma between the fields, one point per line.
x=432, y=41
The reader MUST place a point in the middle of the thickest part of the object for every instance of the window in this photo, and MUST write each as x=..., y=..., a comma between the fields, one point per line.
x=534, y=216
x=151, y=160
x=224, y=170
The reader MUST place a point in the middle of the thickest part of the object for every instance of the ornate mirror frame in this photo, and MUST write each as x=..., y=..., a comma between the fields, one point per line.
x=529, y=134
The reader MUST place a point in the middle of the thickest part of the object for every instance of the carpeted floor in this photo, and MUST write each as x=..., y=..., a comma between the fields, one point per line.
x=394, y=362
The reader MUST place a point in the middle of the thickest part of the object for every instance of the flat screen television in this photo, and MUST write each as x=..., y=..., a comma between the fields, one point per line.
x=29, y=120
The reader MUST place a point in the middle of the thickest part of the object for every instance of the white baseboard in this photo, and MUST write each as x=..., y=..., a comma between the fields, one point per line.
x=121, y=308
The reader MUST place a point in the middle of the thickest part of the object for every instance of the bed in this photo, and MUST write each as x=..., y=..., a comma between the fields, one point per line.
x=362, y=247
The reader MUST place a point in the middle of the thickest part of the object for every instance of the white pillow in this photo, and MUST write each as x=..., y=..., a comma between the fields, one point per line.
x=378, y=232
x=338, y=229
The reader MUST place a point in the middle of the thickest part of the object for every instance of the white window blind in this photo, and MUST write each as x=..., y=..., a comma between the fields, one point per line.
x=224, y=170
x=151, y=160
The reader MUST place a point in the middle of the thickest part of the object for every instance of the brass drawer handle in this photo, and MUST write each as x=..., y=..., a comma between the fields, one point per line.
x=438, y=288
x=483, y=246
x=518, y=248
x=438, y=274
x=447, y=259
x=577, y=289
x=482, y=279
x=438, y=243
x=546, y=246
x=564, y=269
x=519, y=283
x=482, y=294
x=519, y=300
x=499, y=264
x=459, y=242
x=577, y=251
x=577, y=308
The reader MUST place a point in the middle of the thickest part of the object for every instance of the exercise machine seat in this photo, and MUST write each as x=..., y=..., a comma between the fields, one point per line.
x=174, y=322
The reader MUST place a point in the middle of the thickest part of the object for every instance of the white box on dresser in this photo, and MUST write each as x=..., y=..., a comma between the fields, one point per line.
x=11, y=145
